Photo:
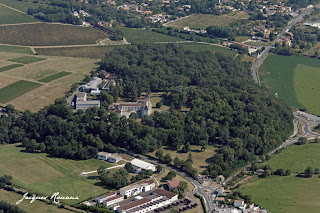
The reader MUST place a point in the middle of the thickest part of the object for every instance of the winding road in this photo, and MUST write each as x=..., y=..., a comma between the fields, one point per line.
x=264, y=54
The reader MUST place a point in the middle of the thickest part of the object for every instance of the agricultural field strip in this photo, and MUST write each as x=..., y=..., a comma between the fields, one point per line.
x=54, y=76
x=13, y=8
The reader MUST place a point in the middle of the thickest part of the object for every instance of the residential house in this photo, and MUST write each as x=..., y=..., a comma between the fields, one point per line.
x=220, y=178
x=103, y=155
x=238, y=203
x=173, y=185
x=220, y=199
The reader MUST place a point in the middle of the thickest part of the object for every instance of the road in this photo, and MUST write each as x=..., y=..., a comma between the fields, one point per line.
x=264, y=54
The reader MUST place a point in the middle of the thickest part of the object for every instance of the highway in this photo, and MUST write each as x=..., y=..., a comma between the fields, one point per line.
x=264, y=54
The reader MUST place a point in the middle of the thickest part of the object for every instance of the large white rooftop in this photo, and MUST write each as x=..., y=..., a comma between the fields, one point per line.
x=142, y=164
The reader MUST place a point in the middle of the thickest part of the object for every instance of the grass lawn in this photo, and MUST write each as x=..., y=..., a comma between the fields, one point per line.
x=280, y=75
x=139, y=35
x=285, y=194
x=199, y=157
x=27, y=59
x=35, y=207
x=290, y=157
x=39, y=173
x=9, y=67
x=203, y=21
x=16, y=89
x=241, y=38
x=20, y=5
x=307, y=87
x=10, y=16
x=97, y=52
x=289, y=194
x=49, y=34
x=54, y=77
x=15, y=49
x=207, y=47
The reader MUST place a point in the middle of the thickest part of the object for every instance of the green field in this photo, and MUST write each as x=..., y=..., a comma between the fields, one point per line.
x=203, y=21
x=138, y=35
x=15, y=49
x=10, y=16
x=206, y=47
x=97, y=52
x=27, y=59
x=49, y=34
x=16, y=89
x=289, y=194
x=282, y=75
x=39, y=173
x=20, y=5
x=54, y=77
x=9, y=67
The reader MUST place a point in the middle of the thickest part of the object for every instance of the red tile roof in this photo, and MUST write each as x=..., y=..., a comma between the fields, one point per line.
x=173, y=184
x=113, y=198
x=134, y=204
x=165, y=193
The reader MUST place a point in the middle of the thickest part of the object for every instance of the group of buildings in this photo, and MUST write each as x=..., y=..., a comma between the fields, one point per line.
x=112, y=158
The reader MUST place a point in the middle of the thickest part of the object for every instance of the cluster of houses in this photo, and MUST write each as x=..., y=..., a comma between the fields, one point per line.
x=162, y=18
x=186, y=28
x=112, y=158
x=239, y=206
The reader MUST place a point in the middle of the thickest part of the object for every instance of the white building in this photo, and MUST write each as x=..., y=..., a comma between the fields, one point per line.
x=139, y=165
x=114, y=158
x=92, y=85
x=81, y=96
x=87, y=104
x=238, y=203
x=155, y=200
x=136, y=189
x=103, y=155
x=113, y=200
x=104, y=197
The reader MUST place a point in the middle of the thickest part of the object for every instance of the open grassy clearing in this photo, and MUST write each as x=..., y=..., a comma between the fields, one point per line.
x=15, y=49
x=203, y=21
x=49, y=34
x=54, y=77
x=40, y=173
x=139, y=35
x=35, y=207
x=9, y=67
x=199, y=157
x=20, y=5
x=289, y=194
x=285, y=194
x=277, y=74
x=27, y=59
x=16, y=89
x=10, y=16
x=97, y=52
x=307, y=86
x=241, y=38
x=207, y=47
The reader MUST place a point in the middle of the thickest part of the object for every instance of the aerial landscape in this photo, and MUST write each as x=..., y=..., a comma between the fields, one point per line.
x=170, y=106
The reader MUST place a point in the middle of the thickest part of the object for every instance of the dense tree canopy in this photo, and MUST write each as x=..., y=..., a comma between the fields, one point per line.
x=224, y=105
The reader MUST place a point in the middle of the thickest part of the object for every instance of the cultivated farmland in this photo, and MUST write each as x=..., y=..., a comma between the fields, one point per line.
x=44, y=34
x=10, y=16
x=138, y=35
x=291, y=78
x=54, y=77
x=203, y=21
x=9, y=67
x=16, y=89
x=19, y=5
x=291, y=193
x=97, y=52
x=38, y=173
x=15, y=49
x=27, y=59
